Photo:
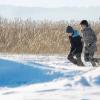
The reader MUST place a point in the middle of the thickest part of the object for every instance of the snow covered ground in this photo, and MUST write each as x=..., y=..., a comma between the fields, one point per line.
x=45, y=77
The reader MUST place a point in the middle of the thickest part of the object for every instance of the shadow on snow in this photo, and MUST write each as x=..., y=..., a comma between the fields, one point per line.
x=14, y=74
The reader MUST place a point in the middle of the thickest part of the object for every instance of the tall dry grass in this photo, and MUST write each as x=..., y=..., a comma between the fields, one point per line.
x=37, y=37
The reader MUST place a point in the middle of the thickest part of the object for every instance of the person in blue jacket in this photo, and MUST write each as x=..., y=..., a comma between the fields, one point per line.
x=76, y=46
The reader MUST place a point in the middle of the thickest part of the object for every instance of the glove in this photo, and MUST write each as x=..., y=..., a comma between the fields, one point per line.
x=88, y=44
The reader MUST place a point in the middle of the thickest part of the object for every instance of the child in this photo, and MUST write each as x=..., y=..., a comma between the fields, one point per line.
x=76, y=46
x=90, y=40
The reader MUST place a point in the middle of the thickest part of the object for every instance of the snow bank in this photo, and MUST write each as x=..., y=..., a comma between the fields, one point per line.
x=38, y=77
x=24, y=70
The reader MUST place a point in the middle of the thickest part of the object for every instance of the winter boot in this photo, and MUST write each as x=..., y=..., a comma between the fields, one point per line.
x=79, y=60
x=71, y=58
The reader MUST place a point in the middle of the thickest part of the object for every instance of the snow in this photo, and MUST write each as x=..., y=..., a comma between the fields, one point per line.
x=47, y=77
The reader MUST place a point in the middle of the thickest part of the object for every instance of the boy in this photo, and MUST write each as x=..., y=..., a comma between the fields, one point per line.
x=90, y=40
x=76, y=46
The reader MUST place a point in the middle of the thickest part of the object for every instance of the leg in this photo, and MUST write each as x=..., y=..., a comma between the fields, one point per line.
x=97, y=60
x=71, y=56
x=86, y=54
x=86, y=57
x=92, y=48
x=79, y=60
x=91, y=59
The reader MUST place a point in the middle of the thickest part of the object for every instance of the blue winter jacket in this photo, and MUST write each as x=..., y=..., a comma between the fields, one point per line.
x=76, y=42
x=75, y=33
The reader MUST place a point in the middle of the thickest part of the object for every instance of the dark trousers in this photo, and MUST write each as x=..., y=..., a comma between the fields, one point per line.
x=89, y=56
x=75, y=52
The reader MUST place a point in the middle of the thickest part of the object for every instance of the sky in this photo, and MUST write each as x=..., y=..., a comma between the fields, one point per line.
x=50, y=3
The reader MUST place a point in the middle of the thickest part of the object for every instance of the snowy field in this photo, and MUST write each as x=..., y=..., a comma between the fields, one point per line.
x=43, y=77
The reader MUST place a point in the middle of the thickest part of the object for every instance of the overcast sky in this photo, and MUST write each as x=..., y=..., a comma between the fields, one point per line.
x=51, y=3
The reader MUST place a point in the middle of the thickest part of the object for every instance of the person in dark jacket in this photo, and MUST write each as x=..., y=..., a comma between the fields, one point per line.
x=76, y=46
x=90, y=40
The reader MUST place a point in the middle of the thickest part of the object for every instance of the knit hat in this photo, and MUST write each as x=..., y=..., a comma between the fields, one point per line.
x=69, y=29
